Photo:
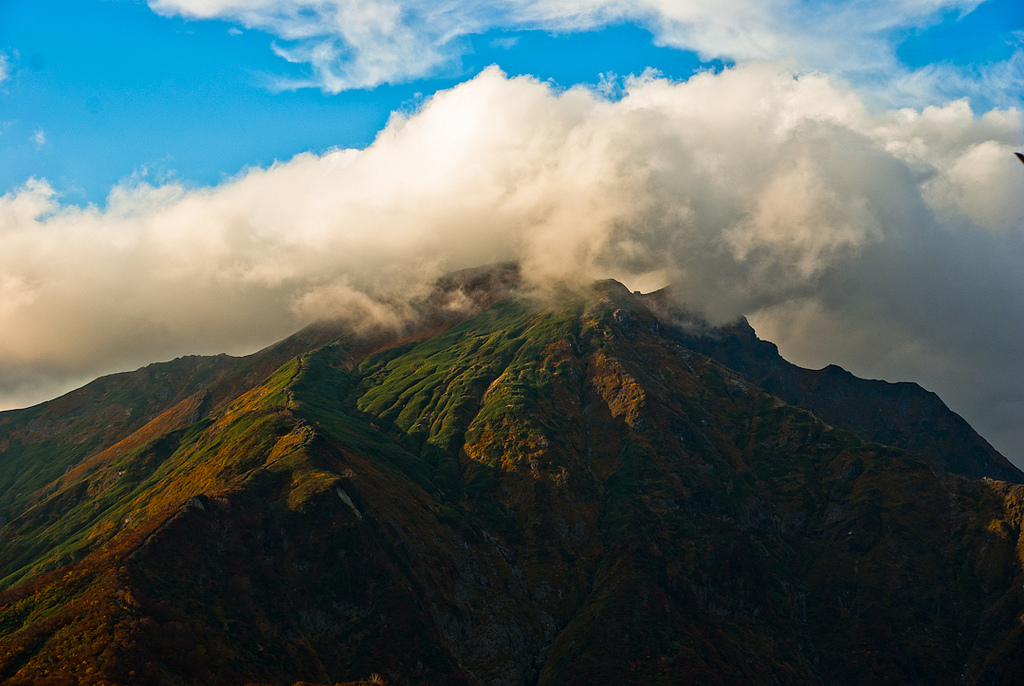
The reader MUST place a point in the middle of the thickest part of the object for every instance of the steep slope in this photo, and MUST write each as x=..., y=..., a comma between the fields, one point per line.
x=899, y=414
x=46, y=449
x=40, y=443
x=542, y=494
x=37, y=444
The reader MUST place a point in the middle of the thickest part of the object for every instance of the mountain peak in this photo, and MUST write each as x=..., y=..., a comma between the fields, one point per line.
x=515, y=492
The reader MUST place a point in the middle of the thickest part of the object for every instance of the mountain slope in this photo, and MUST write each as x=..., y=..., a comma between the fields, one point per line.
x=38, y=444
x=554, y=494
x=901, y=414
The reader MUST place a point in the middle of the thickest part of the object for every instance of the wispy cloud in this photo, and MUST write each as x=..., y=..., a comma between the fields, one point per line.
x=38, y=138
x=5, y=67
x=892, y=240
x=505, y=42
x=1000, y=82
x=363, y=43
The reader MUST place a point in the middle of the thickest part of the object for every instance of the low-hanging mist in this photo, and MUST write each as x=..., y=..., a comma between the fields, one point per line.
x=891, y=243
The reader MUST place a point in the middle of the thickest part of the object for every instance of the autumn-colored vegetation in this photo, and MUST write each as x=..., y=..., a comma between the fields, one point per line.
x=553, y=494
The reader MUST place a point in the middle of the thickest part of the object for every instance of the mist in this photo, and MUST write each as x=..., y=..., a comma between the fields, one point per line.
x=889, y=242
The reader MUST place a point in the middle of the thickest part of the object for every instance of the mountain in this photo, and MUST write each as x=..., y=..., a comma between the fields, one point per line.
x=898, y=414
x=576, y=490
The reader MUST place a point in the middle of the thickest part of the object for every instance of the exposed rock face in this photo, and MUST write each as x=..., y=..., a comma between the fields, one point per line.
x=568, y=494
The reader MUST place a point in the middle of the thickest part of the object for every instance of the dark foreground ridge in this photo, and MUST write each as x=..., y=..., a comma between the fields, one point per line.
x=507, y=493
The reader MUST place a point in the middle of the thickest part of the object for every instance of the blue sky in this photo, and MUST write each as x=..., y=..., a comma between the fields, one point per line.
x=117, y=91
x=99, y=91
x=204, y=176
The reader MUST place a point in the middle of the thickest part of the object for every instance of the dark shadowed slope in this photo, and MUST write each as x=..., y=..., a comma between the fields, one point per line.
x=899, y=414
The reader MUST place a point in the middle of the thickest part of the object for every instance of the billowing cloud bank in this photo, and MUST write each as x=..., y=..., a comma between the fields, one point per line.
x=890, y=243
x=363, y=43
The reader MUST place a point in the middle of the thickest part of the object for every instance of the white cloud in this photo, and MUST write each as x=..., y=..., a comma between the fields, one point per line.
x=892, y=239
x=38, y=138
x=363, y=43
x=5, y=68
x=999, y=82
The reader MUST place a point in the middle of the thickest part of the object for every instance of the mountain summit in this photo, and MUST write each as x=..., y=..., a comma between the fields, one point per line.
x=506, y=492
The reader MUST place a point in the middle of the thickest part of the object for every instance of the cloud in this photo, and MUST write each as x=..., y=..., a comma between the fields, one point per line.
x=505, y=42
x=363, y=43
x=891, y=243
x=999, y=82
x=38, y=138
x=5, y=68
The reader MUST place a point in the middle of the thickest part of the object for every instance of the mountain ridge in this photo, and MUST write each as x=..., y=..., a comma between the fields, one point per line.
x=901, y=413
x=533, y=494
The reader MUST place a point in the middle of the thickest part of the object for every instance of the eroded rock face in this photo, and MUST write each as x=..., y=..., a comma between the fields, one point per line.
x=567, y=494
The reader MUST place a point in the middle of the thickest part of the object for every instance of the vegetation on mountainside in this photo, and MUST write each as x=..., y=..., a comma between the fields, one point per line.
x=563, y=495
x=38, y=444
